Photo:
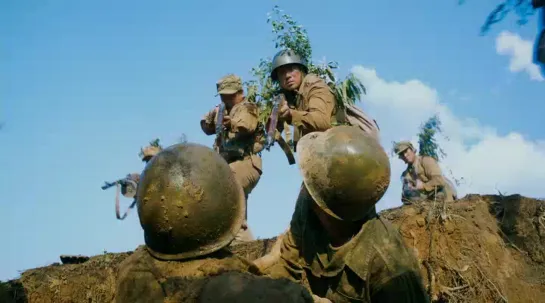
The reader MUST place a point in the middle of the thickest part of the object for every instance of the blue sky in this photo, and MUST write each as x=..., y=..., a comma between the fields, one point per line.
x=85, y=84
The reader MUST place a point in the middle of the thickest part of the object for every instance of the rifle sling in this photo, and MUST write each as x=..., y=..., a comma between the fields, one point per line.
x=285, y=147
x=117, y=214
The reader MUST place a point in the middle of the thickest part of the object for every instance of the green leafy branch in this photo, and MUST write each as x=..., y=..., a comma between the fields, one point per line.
x=427, y=140
x=154, y=143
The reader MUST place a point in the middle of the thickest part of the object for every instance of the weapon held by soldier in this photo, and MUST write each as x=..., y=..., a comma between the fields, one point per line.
x=271, y=131
x=128, y=186
x=219, y=125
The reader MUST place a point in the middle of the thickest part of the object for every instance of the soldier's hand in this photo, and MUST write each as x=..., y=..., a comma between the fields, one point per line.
x=419, y=185
x=285, y=112
x=227, y=122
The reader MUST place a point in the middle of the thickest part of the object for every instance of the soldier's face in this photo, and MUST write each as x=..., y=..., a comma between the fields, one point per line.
x=231, y=99
x=408, y=156
x=289, y=77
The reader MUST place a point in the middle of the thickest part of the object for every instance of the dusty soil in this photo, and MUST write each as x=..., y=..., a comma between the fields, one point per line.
x=478, y=249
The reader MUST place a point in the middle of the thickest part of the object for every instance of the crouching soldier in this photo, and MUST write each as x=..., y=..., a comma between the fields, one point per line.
x=423, y=179
x=336, y=239
x=190, y=208
x=128, y=186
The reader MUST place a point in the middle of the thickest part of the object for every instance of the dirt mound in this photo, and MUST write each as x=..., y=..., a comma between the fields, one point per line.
x=478, y=249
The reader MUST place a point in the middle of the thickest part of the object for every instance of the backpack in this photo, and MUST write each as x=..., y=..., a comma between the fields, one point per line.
x=356, y=117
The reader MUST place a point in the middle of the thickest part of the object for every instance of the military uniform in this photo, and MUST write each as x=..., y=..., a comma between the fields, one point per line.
x=312, y=107
x=243, y=140
x=427, y=170
x=374, y=265
x=191, y=207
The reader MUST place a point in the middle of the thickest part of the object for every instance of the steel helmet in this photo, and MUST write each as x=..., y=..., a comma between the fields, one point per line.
x=189, y=202
x=345, y=170
x=285, y=57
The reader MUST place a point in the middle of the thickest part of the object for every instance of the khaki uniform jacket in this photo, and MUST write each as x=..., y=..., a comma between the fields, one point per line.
x=427, y=170
x=375, y=266
x=313, y=107
x=144, y=279
x=244, y=138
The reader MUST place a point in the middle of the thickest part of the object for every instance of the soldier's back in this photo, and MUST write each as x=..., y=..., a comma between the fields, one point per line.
x=220, y=277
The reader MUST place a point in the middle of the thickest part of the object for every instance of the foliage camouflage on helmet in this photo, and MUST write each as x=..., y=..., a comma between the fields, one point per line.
x=285, y=57
x=189, y=202
x=151, y=150
x=345, y=170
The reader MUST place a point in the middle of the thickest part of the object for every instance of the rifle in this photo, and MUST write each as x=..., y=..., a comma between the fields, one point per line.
x=273, y=122
x=273, y=135
x=114, y=183
x=219, y=125
x=124, y=182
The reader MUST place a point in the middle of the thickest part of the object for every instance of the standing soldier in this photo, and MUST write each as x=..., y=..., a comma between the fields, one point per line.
x=190, y=208
x=347, y=252
x=310, y=103
x=241, y=138
x=423, y=179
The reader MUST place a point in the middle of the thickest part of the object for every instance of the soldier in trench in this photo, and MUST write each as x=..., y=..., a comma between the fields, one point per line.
x=242, y=138
x=190, y=208
x=423, y=179
x=129, y=187
x=336, y=239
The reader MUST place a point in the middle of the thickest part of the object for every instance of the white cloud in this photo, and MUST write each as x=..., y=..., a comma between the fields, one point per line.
x=487, y=161
x=521, y=53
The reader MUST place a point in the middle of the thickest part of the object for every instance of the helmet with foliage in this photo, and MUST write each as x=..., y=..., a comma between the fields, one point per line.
x=345, y=170
x=189, y=202
x=151, y=150
x=285, y=57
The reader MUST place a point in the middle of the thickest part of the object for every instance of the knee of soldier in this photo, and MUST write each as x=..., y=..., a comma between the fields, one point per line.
x=242, y=287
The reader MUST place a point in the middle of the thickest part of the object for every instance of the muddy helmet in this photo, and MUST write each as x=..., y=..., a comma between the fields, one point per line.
x=285, y=57
x=345, y=170
x=189, y=202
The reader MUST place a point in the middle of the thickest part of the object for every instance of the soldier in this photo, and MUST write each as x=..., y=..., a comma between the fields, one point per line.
x=190, y=208
x=347, y=252
x=244, y=138
x=423, y=179
x=128, y=189
x=310, y=103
